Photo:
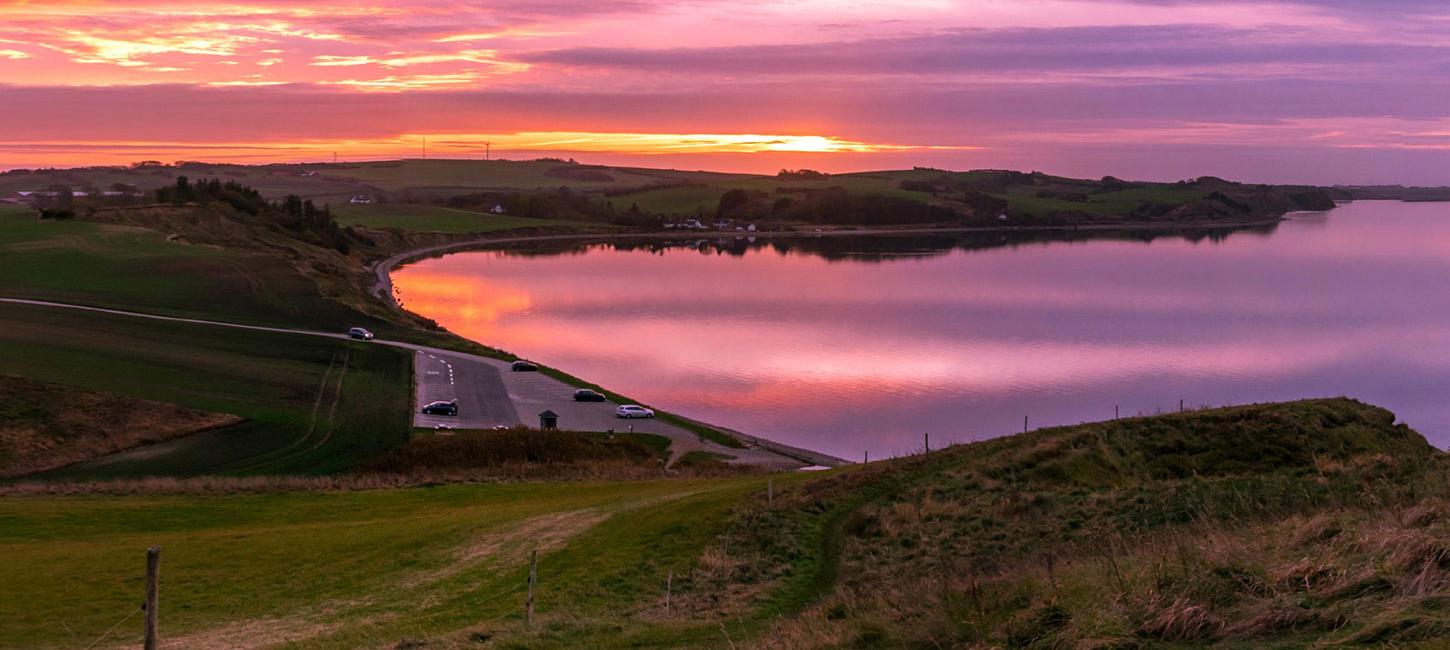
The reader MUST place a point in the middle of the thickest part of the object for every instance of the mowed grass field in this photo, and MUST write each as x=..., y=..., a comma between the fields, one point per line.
x=312, y=404
x=446, y=565
x=414, y=217
x=138, y=269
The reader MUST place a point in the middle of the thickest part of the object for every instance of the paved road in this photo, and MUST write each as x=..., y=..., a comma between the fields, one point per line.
x=483, y=402
x=489, y=394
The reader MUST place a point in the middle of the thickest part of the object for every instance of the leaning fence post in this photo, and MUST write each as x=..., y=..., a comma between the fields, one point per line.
x=153, y=576
x=533, y=579
x=669, y=585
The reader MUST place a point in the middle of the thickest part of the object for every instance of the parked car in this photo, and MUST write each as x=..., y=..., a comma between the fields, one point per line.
x=441, y=408
x=360, y=333
x=631, y=411
x=586, y=395
x=524, y=366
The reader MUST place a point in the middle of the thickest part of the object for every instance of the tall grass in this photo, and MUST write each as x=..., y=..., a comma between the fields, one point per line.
x=1115, y=532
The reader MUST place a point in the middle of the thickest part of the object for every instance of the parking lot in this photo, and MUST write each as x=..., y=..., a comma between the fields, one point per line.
x=490, y=394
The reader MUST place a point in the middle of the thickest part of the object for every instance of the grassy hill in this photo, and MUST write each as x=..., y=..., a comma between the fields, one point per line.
x=1279, y=525
x=184, y=262
x=219, y=262
x=310, y=404
x=44, y=425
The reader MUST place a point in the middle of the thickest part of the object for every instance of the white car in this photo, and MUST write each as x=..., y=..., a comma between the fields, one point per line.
x=631, y=411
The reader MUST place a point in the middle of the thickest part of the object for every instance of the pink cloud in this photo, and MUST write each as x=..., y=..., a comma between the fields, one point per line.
x=1329, y=90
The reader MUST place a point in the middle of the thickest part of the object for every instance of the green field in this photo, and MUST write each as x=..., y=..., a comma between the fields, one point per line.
x=139, y=269
x=14, y=211
x=416, y=217
x=342, y=570
x=287, y=386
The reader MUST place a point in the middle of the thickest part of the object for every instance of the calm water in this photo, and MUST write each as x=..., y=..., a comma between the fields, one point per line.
x=853, y=344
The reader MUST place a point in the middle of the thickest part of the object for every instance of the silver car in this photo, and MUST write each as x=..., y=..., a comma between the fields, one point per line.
x=631, y=411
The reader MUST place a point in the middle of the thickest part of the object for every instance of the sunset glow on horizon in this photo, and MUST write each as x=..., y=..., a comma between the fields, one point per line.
x=1322, y=91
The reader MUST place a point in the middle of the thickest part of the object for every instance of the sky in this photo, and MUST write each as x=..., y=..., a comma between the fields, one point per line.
x=1313, y=91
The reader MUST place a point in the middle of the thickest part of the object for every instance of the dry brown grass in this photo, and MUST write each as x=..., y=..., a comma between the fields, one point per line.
x=597, y=470
x=44, y=425
x=1220, y=528
x=1380, y=578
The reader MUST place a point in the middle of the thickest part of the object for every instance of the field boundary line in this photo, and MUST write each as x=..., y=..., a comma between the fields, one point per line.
x=336, y=398
x=311, y=426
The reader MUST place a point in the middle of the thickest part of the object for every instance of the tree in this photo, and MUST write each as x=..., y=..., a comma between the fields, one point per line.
x=732, y=202
x=60, y=197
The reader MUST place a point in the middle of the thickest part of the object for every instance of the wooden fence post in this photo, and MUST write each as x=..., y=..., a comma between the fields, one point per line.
x=153, y=577
x=669, y=585
x=926, y=442
x=533, y=579
x=1024, y=424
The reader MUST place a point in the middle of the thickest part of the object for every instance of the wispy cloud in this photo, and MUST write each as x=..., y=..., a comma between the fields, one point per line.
x=1131, y=87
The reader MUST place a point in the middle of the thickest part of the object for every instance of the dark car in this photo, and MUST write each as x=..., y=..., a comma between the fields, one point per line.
x=360, y=334
x=586, y=395
x=441, y=408
x=524, y=366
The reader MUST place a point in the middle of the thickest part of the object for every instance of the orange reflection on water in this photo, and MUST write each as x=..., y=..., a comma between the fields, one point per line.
x=470, y=306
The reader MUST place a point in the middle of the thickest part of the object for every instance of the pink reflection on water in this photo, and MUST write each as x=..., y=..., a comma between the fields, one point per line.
x=813, y=351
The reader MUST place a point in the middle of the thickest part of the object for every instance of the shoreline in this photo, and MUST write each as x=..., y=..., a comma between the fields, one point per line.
x=382, y=269
x=383, y=285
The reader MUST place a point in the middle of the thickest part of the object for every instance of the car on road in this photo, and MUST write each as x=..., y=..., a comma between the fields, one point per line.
x=631, y=411
x=360, y=333
x=586, y=395
x=441, y=408
x=524, y=366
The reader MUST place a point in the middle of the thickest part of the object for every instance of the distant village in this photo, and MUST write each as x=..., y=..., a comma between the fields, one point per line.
x=720, y=224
